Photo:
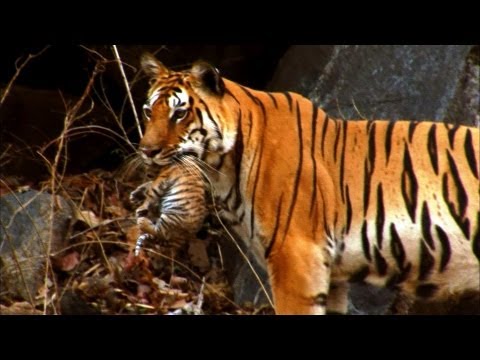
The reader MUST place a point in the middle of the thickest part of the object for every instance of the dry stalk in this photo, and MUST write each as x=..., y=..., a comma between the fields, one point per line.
x=17, y=73
x=127, y=87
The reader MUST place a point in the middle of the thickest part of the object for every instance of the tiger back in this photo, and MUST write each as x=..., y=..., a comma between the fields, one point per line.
x=394, y=204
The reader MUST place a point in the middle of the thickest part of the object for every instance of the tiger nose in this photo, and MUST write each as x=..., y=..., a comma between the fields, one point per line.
x=149, y=152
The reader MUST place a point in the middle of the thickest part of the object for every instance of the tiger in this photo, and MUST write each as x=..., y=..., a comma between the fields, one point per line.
x=173, y=206
x=390, y=203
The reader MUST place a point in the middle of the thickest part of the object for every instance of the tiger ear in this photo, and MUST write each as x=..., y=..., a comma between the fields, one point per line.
x=152, y=67
x=208, y=77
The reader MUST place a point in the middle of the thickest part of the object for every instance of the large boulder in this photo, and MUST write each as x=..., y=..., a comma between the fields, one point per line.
x=416, y=82
x=30, y=223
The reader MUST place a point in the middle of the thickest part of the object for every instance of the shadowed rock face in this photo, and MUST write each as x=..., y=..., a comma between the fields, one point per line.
x=415, y=82
x=26, y=231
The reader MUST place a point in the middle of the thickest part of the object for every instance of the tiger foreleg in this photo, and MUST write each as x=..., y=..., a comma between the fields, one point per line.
x=337, y=303
x=300, y=276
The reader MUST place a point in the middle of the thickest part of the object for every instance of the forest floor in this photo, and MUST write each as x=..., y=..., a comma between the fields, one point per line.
x=98, y=273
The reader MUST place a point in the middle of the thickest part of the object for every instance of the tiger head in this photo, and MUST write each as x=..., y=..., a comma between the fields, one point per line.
x=185, y=113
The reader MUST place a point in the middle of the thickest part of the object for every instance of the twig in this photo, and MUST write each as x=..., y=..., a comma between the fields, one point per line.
x=117, y=56
x=17, y=73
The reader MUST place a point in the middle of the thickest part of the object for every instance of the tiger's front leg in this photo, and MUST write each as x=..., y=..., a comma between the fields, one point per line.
x=300, y=276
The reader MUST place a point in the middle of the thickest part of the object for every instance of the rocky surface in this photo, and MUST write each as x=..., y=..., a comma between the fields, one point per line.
x=384, y=81
x=27, y=231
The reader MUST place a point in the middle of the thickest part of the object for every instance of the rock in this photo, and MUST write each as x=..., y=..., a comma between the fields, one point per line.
x=245, y=284
x=385, y=81
x=25, y=233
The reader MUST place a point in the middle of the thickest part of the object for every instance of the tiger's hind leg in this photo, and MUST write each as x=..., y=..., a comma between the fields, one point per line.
x=300, y=276
x=337, y=303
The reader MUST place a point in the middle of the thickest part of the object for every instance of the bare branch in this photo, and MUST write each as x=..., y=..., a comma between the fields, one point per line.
x=17, y=73
x=117, y=56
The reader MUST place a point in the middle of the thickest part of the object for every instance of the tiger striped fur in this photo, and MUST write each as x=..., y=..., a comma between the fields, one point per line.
x=173, y=206
x=390, y=203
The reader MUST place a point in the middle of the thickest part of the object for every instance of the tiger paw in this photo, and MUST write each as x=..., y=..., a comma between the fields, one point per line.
x=146, y=225
x=138, y=195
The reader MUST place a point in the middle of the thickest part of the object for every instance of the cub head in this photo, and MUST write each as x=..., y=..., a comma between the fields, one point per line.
x=185, y=113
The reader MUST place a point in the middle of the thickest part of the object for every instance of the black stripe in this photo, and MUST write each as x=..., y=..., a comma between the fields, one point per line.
x=462, y=197
x=451, y=135
x=426, y=291
x=432, y=147
x=365, y=242
x=275, y=228
x=250, y=95
x=411, y=129
x=250, y=123
x=238, y=161
x=464, y=225
x=229, y=195
x=446, y=250
x=371, y=148
x=404, y=273
x=289, y=99
x=191, y=101
x=349, y=210
x=380, y=220
x=369, y=124
x=233, y=96
x=199, y=116
x=409, y=184
x=297, y=173
x=337, y=137
x=272, y=97
x=470, y=153
x=360, y=275
x=380, y=262
x=367, y=182
x=398, y=251
x=426, y=226
x=476, y=239
x=215, y=125
x=388, y=139
x=255, y=184
x=324, y=133
x=312, y=154
x=342, y=161
x=427, y=262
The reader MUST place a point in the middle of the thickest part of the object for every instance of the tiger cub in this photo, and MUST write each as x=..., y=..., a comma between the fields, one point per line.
x=172, y=207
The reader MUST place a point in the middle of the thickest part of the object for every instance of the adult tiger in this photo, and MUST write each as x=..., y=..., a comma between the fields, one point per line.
x=331, y=201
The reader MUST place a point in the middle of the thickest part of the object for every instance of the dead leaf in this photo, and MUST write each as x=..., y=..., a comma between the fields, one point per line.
x=178, y=304
x=88, y=217
x=67, y=262
x=19, y=308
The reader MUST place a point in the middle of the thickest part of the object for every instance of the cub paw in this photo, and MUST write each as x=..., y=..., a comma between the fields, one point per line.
x=138, y=195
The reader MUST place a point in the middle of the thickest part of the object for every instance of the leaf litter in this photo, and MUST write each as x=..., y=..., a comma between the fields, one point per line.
x=97, y=273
